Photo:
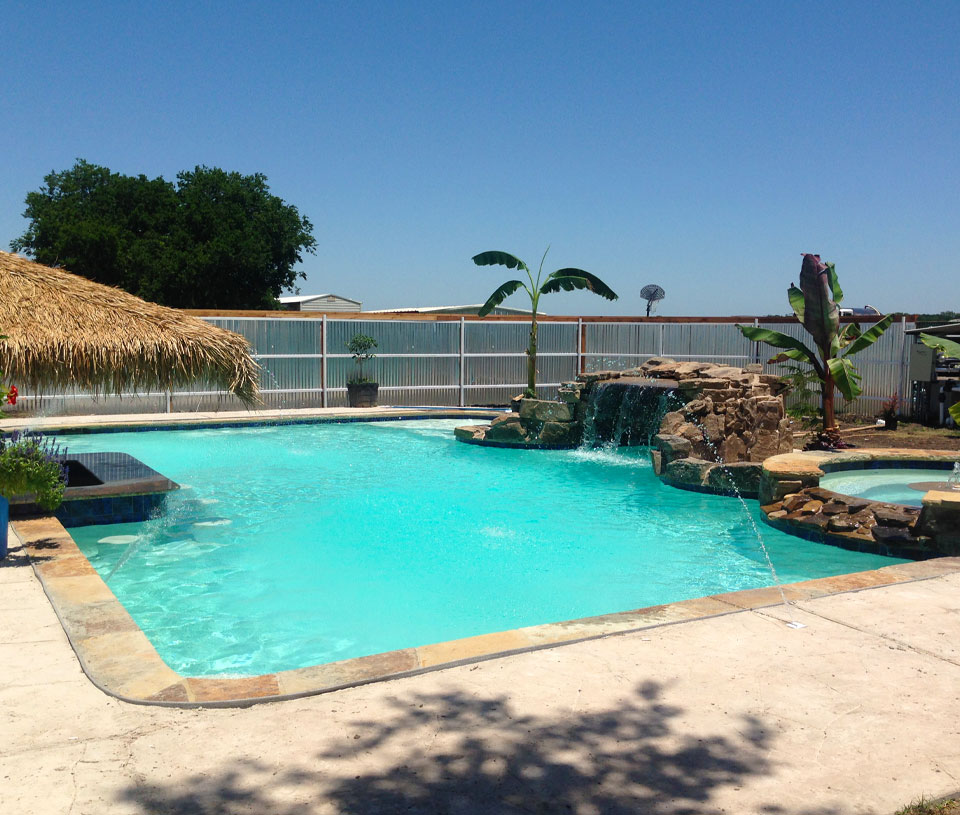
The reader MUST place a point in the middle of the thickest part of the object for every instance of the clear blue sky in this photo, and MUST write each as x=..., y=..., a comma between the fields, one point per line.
x=701, y=146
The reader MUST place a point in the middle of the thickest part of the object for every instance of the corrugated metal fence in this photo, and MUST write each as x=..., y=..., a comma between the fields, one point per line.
x=471, y=362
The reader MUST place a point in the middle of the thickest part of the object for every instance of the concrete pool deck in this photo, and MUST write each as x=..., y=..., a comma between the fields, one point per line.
x=856, y=712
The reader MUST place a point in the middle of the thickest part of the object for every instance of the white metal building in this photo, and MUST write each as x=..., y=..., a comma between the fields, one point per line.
x=320, y=302
x=468, y=309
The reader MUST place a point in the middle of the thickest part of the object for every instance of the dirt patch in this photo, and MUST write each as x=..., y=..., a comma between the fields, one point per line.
x=907, y=435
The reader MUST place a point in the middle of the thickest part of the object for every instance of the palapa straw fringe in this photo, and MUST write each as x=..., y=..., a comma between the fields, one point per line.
x=63, y=330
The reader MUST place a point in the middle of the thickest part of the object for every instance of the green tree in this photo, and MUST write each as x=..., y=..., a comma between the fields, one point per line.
x=212, y=239
x=816, y=305
x=562, y=279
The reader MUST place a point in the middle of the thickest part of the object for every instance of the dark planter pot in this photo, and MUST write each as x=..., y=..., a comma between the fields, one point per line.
x=4, y=519
x=362, y=394
x=891, y=423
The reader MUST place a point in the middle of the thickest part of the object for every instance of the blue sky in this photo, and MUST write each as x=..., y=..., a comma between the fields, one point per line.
x=701, y=146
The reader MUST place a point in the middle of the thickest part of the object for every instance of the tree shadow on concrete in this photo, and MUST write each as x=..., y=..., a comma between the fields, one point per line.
x=456, y=753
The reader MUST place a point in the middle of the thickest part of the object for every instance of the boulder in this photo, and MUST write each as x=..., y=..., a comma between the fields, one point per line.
x=841, y=523
x=559, y=433
x=697, y=407
x=672, y=422
x=473, y=432
x=689, y=470
x=507, y=430
x=713, y=426
x=544, y=410
x=671, y=447
x=744, y=477
x=732, y=449
x=893, y=536
x=890, y=517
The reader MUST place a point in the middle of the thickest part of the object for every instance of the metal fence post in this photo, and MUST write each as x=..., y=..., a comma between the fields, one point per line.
x=581, y=347
x=323, y=360
x=463, y=357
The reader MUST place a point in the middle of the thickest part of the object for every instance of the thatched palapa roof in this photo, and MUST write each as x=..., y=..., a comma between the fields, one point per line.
x=64, y=330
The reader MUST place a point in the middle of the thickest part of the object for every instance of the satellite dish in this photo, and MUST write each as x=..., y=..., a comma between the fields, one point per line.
x=651, y=294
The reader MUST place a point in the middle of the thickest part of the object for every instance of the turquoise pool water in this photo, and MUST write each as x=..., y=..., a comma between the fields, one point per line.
x=891, y=485
x=298, y=545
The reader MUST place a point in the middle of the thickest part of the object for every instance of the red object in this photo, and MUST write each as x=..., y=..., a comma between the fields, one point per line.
x=12, y=395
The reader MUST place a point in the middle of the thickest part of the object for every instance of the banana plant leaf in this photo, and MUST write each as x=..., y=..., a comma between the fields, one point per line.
x=868, y=337
x=500, y=259
x=795, y=296
x=845, y=377
x=571, y=279
x=821, y=317
x=500, y=295
x=834, y=283
x=797, y=350
x=945, y=346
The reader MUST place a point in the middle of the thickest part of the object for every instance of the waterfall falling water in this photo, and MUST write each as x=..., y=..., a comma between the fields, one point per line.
x=954, y=478
x=623, y=413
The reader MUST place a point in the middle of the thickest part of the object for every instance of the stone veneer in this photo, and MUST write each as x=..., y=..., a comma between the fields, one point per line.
x=724, y=415
x=792, y=500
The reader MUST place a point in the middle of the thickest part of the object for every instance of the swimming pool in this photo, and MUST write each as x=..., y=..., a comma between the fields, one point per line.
x=291, y=546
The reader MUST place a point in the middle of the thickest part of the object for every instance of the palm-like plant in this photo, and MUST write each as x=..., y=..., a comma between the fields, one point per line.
x=562, y=279
x=815, y=304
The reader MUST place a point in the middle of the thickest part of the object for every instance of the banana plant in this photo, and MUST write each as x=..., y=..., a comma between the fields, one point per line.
x=562, y=279
x=815, y=303
x=951, y=349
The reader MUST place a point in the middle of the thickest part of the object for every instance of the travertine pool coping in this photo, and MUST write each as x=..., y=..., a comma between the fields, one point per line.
x=119, y=659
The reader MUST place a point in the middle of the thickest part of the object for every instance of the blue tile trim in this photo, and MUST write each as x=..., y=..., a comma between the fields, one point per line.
x=115, y=509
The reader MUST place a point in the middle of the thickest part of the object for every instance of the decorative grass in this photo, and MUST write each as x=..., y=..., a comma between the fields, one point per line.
x=64, y=331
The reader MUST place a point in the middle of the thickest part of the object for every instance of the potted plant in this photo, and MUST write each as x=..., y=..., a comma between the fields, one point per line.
x=29, y=465
x=888, y=413
x=362, y=392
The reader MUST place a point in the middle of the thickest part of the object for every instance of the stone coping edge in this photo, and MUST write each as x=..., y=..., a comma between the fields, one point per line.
x=118, y=658
x=144, y=425
x=785, y=466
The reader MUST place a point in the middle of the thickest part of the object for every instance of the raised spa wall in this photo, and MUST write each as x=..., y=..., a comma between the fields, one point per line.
x=792, y=499
x=695, y=415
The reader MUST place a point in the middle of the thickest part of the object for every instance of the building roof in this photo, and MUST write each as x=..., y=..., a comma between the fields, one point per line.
x=306, y=298
x=453, y=309
x=947, y=330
